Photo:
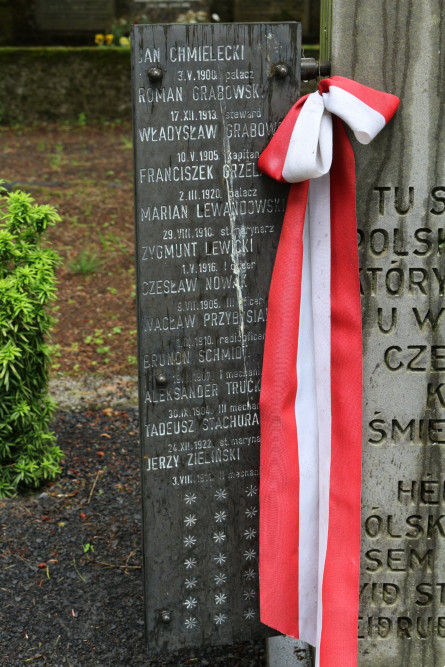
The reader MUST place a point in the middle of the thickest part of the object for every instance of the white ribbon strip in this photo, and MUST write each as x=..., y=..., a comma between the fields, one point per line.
x=309, y=154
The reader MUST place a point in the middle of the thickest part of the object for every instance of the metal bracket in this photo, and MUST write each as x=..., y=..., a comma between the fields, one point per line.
x=313, y=69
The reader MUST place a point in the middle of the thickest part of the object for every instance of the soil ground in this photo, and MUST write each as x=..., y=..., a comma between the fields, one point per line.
x=87, y=174
x=70, y=558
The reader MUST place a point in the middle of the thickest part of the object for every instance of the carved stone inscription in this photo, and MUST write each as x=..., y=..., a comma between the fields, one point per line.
x=403, y=279
x=207, y=228
x=401, y=216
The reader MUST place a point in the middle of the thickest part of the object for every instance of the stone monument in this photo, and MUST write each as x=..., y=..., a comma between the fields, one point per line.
x=399, y=48
x=205, y=104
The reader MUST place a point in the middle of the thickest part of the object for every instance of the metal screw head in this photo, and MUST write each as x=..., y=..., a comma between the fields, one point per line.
x=161, y=379
x=165, y=616
x=155, y=74
x=281, y=70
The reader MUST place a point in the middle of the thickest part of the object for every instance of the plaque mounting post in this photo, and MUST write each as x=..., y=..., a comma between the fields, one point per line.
x=285, y=651
x=313, y=69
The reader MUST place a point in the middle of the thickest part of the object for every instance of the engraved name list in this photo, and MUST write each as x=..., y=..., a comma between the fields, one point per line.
x=207, y=228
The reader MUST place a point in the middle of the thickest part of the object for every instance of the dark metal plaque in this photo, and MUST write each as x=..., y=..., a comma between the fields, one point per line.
x=69, y=15
x=207, y=99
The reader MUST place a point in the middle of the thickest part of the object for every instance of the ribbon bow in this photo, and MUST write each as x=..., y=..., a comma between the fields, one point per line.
x=310, y=403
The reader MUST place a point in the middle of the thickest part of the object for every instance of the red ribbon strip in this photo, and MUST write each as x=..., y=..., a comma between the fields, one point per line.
x=311, y=403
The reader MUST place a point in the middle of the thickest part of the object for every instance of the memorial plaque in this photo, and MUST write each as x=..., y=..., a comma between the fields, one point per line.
x=69, y=15
x=207, y=98
x=401, y=215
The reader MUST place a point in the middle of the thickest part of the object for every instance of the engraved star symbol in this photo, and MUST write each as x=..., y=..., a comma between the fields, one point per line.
x=189, y=563
x=250, y=554
x=249, y=614
x=251, y=512
x=189, y=541
x=220, y=558
x=220, y=598
x=250, y=594
x=250, y=574
x=191, y=582
x=220, y=516
x=190, y=623
x=190, y=603
x=220, y=578
x=219, y=619
x=221, y=494
x=190, y=520
x=219, y=537
x=190, y=498
x=250, y=533
x=252, y=490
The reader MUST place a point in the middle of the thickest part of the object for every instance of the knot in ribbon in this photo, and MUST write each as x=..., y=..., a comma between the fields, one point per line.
x=310, y=402
x=304, y=139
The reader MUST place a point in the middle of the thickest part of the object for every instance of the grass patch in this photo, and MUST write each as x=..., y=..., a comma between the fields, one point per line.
x=87, y=261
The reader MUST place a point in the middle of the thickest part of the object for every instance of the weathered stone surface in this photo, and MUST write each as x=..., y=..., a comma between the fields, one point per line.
x=399, y=47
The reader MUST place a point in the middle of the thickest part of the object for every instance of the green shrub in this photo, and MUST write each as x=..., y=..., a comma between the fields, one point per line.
x=28, y=454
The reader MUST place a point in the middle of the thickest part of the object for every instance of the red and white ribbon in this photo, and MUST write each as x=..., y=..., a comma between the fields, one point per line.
x=311, y=405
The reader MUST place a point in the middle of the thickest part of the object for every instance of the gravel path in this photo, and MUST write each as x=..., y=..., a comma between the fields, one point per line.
x=93, y=392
